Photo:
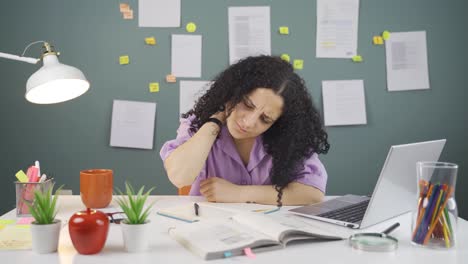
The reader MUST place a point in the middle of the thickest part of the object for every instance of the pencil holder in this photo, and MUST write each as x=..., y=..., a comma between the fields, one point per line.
x=25, y=195
x=435, y=217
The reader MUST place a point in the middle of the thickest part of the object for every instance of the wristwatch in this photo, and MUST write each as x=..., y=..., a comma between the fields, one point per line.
x=216, y=121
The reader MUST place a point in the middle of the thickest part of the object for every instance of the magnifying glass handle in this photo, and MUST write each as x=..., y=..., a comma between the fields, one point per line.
x=391, y=228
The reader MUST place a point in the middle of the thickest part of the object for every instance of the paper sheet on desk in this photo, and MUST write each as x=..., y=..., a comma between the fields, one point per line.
x=186, y=212
x=240, y=207
x=15, y=237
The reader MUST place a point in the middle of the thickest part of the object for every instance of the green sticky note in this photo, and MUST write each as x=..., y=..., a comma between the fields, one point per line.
x=357, y=58
x=284, y=30
x=21, y=176
x=285, y=57
x=298, y=64
x=386, y=34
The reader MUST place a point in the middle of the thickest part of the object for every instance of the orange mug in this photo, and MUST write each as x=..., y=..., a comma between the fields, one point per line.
x=96, y=187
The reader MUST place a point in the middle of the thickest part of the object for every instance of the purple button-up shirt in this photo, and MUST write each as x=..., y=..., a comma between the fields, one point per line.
x=225, y=162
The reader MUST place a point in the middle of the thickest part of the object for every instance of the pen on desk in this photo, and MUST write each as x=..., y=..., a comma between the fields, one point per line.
x=196, y=207
x=177, y=217
x=391, y=228
x=272, y=210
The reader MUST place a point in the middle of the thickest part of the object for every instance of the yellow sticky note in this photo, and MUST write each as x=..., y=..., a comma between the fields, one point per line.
x=170, y=78
x=5, y=222
x=124, y=60
x=154, y=87
x=284, y=30
x=377, y=40
x=298, y=64
x=191, y=27
x=357, y=58
x=150, y=41
x=285, y=57
x=21, y=176
x=128, y=14
x=386, y=35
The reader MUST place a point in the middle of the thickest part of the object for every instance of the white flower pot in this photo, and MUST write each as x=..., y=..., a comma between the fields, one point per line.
x=45, y=237
x=136, y=237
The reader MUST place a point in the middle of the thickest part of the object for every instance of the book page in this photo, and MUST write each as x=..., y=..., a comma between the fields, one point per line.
x=279, y=226
x=210, y=239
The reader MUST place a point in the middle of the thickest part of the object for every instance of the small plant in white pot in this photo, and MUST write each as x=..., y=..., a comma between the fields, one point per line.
x=135, y=228
x=45, y=229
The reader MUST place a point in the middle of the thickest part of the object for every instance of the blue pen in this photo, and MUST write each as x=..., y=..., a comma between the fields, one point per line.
x=178, y=218
x=272, y=210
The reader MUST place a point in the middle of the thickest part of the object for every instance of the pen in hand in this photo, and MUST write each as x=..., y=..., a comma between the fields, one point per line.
x=196, y=207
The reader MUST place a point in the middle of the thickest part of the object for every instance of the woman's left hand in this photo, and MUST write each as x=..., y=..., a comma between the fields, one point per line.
x=216, y=189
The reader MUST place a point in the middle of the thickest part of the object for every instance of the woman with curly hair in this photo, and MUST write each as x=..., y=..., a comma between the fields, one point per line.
x=254, y=136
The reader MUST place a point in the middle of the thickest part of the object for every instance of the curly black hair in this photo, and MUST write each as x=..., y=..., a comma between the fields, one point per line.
x=295, y=135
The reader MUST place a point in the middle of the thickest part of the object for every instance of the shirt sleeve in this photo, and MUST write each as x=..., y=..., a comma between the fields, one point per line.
x=313, y=173
x=183, y=134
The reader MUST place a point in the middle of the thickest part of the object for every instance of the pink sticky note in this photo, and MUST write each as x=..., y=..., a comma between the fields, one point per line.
x=248, y=252
x=25, y=221
x=29, y=173
x=34, y=174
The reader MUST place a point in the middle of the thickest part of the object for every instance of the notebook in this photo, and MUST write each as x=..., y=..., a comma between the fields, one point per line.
x=393, y=194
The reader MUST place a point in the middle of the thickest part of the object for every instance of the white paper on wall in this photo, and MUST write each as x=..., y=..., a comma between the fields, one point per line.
x=132, y=124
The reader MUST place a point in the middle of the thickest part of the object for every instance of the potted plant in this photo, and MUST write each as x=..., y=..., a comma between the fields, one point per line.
x=135, y=228
x=45, y=229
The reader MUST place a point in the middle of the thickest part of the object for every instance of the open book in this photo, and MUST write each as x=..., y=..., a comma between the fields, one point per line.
x=219, y=238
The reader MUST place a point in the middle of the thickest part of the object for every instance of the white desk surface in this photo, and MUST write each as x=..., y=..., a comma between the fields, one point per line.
x=164, y=249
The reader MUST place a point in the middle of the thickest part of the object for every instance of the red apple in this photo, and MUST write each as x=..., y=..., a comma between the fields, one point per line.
x=88, y=231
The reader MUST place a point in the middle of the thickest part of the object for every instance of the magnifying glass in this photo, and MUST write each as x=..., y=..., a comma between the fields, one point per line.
x=375, y=241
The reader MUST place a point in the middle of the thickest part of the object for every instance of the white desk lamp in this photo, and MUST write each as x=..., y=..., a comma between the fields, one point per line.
x=54, y=82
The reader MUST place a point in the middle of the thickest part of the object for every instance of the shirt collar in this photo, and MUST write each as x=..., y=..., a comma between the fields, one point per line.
x=256, y=154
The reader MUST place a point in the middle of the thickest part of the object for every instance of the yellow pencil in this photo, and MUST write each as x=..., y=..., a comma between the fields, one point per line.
x=429, y=233
x=436, y=209
x=444, y=228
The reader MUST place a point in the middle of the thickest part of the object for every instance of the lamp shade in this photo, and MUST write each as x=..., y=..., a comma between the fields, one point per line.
x=55, y=82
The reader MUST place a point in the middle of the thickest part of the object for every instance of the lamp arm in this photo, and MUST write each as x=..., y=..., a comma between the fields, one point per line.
x=19, y=58
x=22, y=58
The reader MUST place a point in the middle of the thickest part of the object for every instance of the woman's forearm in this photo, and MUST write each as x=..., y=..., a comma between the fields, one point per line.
x=294, y=194
x=185, y=162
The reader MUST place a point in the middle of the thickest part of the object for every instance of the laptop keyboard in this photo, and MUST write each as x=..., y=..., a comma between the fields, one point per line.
x=351, y=214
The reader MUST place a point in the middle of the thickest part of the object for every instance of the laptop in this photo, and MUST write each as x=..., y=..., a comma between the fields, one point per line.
x=393, y=194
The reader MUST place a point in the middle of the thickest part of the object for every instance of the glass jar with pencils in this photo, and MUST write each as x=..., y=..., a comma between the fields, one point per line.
x=435, y=217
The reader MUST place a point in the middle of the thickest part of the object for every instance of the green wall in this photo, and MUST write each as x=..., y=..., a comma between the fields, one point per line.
x=92, y=35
